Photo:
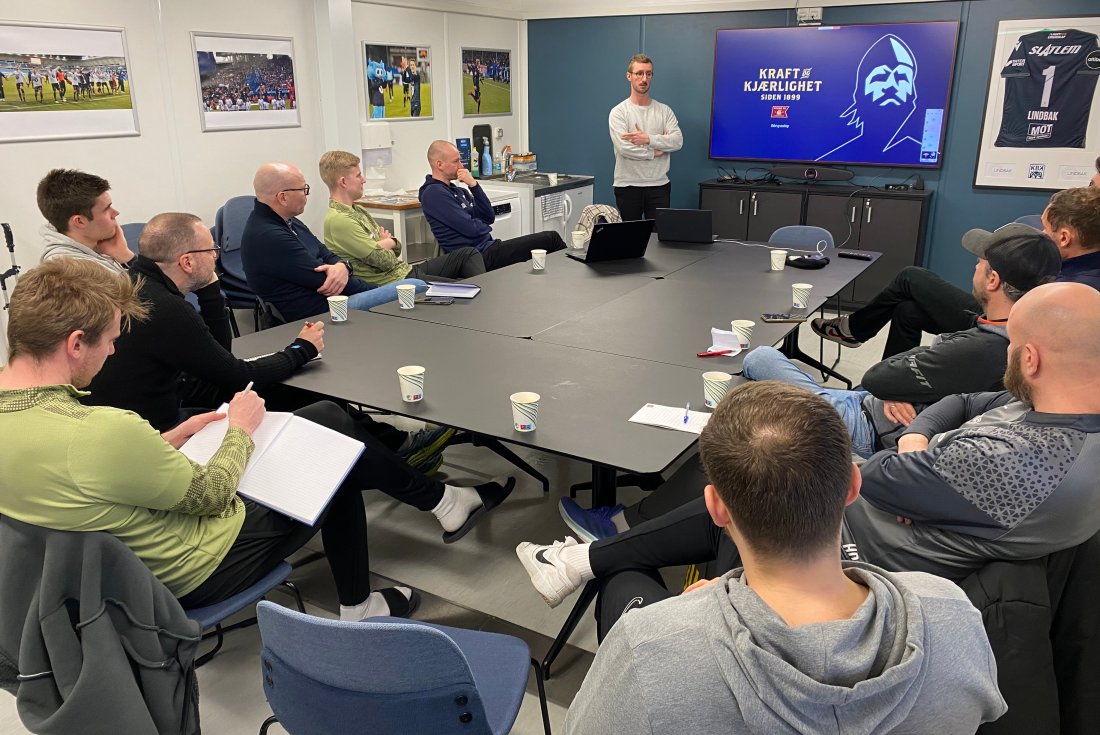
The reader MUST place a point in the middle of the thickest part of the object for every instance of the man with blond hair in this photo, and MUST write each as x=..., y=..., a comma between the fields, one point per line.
x=372, y=251
x=285, y=264
x=643, y=132
x=464, y=217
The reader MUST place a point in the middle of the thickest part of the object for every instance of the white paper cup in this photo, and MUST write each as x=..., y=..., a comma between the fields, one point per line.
x=800, y=295
x=525, y=410
x=553, y=179
x=538, y=259
x=743, y=329
x=578, y=239
x=715, y=385
x=338, y=308
x=411, y=380
x=406, y=295
x=779, y=259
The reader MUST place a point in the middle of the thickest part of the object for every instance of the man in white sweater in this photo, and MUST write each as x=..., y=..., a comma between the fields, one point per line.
x=643, y=132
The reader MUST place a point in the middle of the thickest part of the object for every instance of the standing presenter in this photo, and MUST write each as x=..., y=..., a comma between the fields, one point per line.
x=644, y=132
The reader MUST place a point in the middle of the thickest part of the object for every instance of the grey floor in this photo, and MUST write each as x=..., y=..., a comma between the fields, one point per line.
x=477, y=583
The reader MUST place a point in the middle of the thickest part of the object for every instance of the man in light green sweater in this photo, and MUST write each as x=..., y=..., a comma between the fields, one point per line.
x=72, y=467
x=371, y=251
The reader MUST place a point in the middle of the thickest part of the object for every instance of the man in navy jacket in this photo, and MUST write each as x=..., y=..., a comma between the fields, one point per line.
x=285, y=264
x=463, y=219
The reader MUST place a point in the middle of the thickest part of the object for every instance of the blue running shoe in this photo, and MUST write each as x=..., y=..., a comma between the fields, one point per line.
x=591, y=525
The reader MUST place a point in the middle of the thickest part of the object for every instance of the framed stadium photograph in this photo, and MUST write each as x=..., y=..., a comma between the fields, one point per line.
x=1041, y=128
x=64, y=82
x=486, y=82
x=245, y=82
x=398, y=81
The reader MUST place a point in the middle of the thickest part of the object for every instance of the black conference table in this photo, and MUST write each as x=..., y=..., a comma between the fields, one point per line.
x=587, y=397
x=669, y=320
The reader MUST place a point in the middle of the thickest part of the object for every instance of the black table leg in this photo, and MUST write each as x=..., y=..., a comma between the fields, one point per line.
x=603, y=486
x=496, y=446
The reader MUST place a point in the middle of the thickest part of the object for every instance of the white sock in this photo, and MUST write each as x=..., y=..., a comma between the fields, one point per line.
x=843, y=324
x=372, y=607
x=456, y=506
x=576, y=558
x=619, y=519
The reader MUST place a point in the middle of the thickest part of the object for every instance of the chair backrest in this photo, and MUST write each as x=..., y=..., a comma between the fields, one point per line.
x=269, y=316
x=132, y=231
x=1031, y=220
x=324, y=676
x=229, y=222
x=804, y=236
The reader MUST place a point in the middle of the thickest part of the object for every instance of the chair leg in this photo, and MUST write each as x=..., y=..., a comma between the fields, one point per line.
x=588, y=594
x=205, y=658
x=267, y=724
x=297, y=595
x=233, y=323
x=791, y=350
x=542, y=695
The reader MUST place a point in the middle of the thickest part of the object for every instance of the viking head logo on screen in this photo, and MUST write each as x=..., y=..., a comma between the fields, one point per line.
x=883, y=100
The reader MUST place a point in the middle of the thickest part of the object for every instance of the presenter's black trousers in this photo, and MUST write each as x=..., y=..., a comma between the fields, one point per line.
x=268, y=537
x=642, y=202
x=916, y=301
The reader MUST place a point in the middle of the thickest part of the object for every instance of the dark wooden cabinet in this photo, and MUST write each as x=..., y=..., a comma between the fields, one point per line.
x=889, y=222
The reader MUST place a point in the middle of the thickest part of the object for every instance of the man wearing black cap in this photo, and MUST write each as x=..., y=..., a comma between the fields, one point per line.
x=1011, y=261
x=920, y=301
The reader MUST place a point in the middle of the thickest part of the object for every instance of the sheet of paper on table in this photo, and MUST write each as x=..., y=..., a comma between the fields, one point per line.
x=670, y=417
x=724, y=340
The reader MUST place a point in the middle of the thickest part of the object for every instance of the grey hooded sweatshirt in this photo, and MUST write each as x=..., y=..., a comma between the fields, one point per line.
x=56, y=245
x=914, y=658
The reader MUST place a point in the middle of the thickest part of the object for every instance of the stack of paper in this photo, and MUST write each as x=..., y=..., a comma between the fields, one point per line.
x=454, y=290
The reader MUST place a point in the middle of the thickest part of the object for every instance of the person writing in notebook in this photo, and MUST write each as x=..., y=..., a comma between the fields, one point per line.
x=72, y=467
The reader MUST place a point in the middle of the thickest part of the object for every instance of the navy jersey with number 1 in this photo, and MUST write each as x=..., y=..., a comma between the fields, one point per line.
x=1049, y=83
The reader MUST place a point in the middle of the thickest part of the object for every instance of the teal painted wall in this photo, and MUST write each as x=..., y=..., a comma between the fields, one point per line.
x=577, y=73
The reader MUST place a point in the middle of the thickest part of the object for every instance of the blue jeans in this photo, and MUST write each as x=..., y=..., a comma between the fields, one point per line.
x=377, y=112
x=768, y=363
x=365, y=300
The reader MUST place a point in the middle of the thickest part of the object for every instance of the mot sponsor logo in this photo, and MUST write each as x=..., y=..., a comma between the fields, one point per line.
x=1040, y=131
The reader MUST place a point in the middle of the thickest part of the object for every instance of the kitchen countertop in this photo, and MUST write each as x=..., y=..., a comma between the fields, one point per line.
x=539, y=182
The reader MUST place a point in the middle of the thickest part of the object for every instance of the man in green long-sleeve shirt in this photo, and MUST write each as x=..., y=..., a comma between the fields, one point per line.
x=72, y=467
x=371, y=251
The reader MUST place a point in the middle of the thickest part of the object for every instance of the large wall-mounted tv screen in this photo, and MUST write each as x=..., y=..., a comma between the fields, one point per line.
x=871, y=95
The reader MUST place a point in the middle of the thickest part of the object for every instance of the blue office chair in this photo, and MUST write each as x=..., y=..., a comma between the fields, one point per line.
x=211, y=616
x=228, y=227
x=326, y=677
x=132, y=231
x=805, y=237
x=1031, y=220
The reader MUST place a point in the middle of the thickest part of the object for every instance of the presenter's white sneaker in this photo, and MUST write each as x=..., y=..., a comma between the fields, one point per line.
x=553, y=579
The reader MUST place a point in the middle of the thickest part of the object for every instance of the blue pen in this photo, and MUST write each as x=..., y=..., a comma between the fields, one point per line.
x=686, y=409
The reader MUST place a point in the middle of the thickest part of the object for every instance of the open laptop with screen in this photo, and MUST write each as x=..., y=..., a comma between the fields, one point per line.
x=616, y=241
x=685, y=225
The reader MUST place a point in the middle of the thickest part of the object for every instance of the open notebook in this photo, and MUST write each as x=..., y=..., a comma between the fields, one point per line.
x=295, y=468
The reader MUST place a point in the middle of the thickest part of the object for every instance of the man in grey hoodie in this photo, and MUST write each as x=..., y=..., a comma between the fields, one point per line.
x=796, y=641
x=81, y=219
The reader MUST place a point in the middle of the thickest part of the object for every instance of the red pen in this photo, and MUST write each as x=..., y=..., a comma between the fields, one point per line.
x=713, y=354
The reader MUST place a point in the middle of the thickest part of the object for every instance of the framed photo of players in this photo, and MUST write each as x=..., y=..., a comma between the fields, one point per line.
x=397, y=80
x=1041, y=128
x=64, y=82
x=245, y=82
x=486, y=82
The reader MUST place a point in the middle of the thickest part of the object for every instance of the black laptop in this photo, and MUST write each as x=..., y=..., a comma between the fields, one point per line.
x=684, y=225
x=616, y=241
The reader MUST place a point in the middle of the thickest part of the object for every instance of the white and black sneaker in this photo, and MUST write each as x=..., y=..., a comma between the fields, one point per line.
x=553, y=579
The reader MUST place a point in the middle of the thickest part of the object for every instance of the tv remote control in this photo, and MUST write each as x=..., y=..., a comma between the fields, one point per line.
x=853, y=256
